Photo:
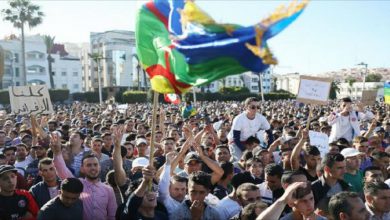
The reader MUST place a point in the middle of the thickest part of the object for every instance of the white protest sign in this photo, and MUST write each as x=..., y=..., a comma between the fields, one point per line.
x=122, y=108
x=314, y=90
x=30, y=100
x=320, y=140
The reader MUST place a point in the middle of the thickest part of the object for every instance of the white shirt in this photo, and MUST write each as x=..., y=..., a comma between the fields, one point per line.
x=248, y=127
x=228, y=208
x=163, y=191
x=266, y=193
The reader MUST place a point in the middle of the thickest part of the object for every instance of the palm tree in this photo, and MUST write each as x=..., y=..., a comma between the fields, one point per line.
x=49, y=42
x=21, y=13
x=334, y=89
x=138, y=71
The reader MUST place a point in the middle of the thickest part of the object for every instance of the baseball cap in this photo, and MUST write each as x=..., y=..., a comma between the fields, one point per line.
x=140, y=141
x=7, y=168
x=350, y=152
x=192, y=156
x=140, y=162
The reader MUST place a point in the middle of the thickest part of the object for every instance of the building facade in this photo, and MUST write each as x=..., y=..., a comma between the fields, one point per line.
x=288, y=82
x=355, y=89
x=116, y=50
x=64, y=67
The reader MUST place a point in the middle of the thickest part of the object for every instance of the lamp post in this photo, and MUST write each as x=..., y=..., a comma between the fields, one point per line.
x=365, y=74
x=97, y=57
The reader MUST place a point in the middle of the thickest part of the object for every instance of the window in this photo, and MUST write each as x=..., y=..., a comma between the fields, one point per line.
x=17, y=72
x=64, y=86
x=63, y=73
x=75, y=73
x=16, y=58
x=17, y=83
x=75, y=86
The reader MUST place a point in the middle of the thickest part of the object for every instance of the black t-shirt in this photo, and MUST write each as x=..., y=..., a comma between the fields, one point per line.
x=307, y=174
x=220, y=191
x=17, y=205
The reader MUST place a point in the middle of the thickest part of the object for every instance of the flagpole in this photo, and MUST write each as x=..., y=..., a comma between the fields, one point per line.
x=194, y=95
x=153, y=134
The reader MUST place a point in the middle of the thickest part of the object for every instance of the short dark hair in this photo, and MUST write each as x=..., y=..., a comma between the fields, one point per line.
x=273, y=169
x=312, y=150
x=222, y=146
x=87, y=156
x=241, y=178
x=45, y=161
x=370, y=168
x=250, y=162
x=374, y=187
x=340, y=203
x=180, y=179
x=72, y=185
x=249, y=211
x=246, y=187
x=330, y=159
x=288, y=176
x=252, y=140
x=200, y=178
x=228, y=168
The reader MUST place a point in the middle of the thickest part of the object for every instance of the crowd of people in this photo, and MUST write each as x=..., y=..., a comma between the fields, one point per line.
x=211, y=160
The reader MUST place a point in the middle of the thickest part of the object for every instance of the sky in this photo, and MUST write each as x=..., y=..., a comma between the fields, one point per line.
x=329, y=35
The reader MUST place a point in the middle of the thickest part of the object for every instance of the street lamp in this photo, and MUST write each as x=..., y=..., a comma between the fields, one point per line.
x=365, y=74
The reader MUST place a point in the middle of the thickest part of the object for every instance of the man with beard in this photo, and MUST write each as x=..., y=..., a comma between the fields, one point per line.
x=98, y=198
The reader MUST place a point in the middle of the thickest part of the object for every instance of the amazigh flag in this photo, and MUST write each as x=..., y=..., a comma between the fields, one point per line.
x=172, y=98
x=387, y=92
x=179, y=45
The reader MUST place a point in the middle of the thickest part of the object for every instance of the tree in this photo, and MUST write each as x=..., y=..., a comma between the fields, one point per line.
x=334, y=89
x=20, y=14
x=373, y=77
x=49, y=42
x=351, y=81
x=138, y=67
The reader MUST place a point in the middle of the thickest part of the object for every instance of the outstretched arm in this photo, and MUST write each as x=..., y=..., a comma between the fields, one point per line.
x=120, y=174
x=55, y=145
x=213, y=165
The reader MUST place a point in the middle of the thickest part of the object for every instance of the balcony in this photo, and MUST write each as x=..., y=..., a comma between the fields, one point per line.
x=36, y=70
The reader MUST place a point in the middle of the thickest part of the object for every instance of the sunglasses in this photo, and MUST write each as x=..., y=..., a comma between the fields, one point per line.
x=254, y=107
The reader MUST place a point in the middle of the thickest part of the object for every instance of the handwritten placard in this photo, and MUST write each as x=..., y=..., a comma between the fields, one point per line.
x=320, y=140
x=369, y=97
x=30, y=100
x=122, y=108
x=314, y=90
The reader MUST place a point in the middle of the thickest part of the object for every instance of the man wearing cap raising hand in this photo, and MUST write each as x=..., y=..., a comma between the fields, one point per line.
x=353, y=175
x=14, y=203
x=345, y=123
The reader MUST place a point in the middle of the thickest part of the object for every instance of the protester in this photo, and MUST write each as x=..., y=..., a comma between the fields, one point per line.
x=14, y=203
x=347, y=206
x=49, y=187
x=67, y=205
